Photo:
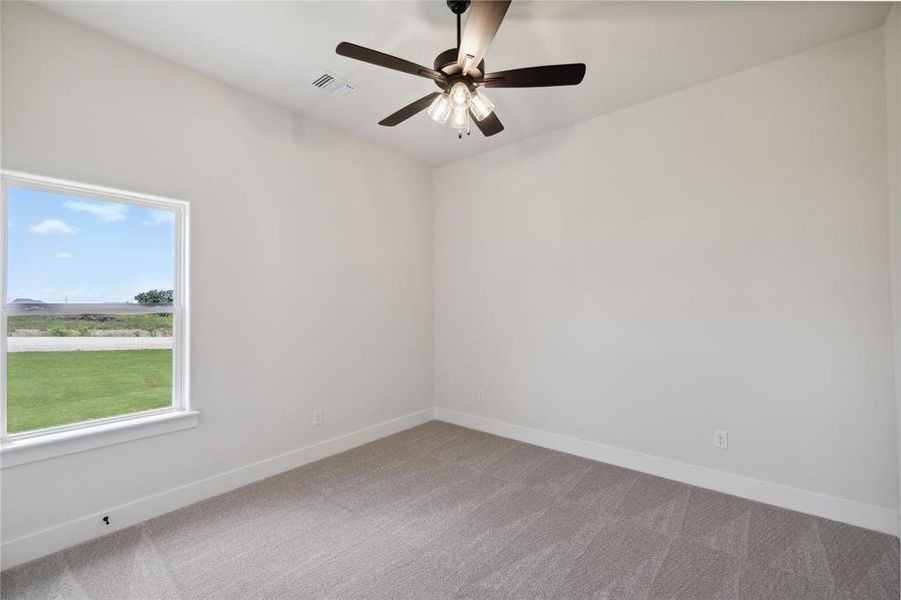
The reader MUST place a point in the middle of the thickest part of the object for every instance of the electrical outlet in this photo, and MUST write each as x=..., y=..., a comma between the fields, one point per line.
x=480, y=397
x=317, y=417
x=721, y=439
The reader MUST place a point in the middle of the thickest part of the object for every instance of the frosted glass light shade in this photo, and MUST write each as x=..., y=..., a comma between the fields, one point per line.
x=440, y=109
x=460, y=95
x=460, y=119
x=481, y=106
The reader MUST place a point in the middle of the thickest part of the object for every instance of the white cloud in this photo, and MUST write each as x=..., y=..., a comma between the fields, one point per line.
x=52, y=226
x=63, y=255
x=106, y=212
x=159, y=217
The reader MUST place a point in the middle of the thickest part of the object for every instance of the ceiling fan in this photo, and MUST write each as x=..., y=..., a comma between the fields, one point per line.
x=460, y=72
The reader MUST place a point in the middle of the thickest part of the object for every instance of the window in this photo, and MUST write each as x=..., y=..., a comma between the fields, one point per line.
x=94, y=317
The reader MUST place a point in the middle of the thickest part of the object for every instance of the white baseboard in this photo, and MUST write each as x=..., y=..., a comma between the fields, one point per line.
x=813, y=503
x=28, y=547
x=34, y=545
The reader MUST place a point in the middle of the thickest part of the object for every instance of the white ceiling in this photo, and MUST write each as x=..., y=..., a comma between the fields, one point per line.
x=634, y=51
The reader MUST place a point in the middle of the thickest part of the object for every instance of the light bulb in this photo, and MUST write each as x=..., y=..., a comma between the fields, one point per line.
x=460, y=119
x=481, y=106
x=460, y=95
x=440, y=109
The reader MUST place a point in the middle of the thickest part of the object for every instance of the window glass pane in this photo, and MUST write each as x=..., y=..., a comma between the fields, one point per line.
x=70, y=249
x=66, y=369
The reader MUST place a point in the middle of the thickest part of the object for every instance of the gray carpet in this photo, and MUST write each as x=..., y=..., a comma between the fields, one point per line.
x=439, y=511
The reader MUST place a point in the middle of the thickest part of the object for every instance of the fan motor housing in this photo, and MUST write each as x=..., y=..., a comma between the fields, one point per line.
x=446, y=62
x=458, y=7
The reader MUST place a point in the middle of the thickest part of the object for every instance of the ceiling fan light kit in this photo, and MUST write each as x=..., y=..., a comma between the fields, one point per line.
x=460, y=72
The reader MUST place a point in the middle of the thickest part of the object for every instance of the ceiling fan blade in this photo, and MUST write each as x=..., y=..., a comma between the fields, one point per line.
x=489, y=126
x=546, y=76
x=409, y=110
x=484, y=19
x=381, y=59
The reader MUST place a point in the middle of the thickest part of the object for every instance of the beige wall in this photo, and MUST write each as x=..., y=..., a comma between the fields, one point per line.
x=892, y=35
x=712, y=259
x=311, y=259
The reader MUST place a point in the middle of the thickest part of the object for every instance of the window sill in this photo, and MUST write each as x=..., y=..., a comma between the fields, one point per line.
x=14, y=452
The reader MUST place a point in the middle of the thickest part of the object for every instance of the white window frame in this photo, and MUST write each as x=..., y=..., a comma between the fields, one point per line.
x=41, y=444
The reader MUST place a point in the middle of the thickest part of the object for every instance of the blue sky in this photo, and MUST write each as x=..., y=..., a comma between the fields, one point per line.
x=65, y=248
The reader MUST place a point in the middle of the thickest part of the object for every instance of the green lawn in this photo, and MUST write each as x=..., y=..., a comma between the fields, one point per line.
x=56, y=388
